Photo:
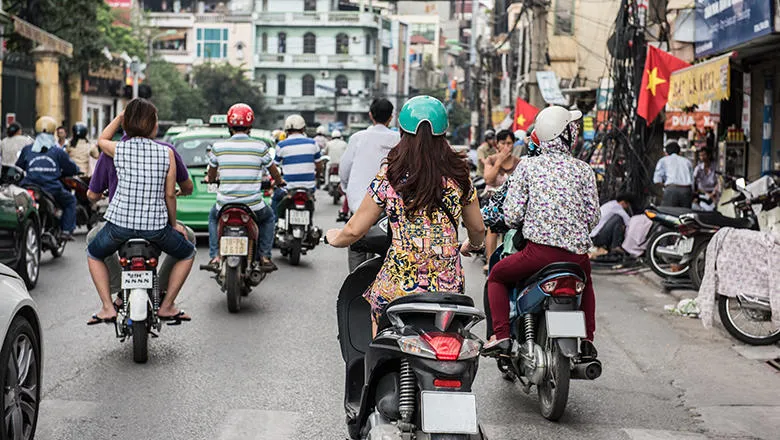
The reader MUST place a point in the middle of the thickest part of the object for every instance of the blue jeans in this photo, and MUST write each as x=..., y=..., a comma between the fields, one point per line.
x=265, y=237
x=67, y=203
x=278, y=196
x=111, y=238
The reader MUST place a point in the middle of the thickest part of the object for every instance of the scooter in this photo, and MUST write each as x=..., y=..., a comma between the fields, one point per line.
x=295, y=232
x=88, y=213
x=414, y=379
x=50, y=214
x=333, y=185
x=238, y=234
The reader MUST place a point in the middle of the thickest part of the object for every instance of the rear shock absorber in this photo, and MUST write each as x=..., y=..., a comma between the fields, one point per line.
x=528, y=328
x=407, y=392
x=155, y=293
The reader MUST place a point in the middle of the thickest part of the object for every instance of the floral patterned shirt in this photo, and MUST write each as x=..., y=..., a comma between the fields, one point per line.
x=554, y=197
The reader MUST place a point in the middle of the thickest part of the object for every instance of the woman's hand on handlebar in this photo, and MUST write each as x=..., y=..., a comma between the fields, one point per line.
x=332, y=236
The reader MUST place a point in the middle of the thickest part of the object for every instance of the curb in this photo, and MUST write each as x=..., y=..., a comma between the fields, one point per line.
x=654, y=281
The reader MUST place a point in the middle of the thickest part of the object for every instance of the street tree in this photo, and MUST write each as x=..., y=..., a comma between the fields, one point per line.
x=172, y=94
x=223, y=85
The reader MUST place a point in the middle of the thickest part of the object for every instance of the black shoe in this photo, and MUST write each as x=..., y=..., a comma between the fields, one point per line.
x=66, y=236
x=496, y=348
x=588, y=350
x=266, y=265
x=342, y=218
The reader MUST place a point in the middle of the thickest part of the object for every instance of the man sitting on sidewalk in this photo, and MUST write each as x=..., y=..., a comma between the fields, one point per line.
x=608, y=235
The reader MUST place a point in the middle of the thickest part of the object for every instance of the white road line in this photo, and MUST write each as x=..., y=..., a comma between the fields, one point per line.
x=246, y=424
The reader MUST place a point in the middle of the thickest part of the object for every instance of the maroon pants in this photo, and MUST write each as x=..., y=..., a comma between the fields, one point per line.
x=522, y=265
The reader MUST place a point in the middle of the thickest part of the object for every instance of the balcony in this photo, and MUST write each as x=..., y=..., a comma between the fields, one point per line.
x=170, y=20
x=176, y=56
x=318, y=103
x=314, y=61
x=331, y=18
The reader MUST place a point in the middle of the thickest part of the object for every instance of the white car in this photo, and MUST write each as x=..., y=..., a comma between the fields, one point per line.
x=21, y=358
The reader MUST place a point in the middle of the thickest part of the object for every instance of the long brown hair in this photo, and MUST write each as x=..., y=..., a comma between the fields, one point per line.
x=417, y=167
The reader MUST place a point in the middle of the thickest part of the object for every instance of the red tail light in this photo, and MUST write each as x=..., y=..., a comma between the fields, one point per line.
x=334, y=169
x=563, y=286
x=138, y=263
x=31, y=192
x=445, y=345
x=152, y=262
x=686, y=229
x=123, y=261
x=235, y=217
x=300, y=198
x=446, y=383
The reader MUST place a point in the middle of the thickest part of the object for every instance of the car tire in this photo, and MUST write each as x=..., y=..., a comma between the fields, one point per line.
x=29, y=265
x=20, y=399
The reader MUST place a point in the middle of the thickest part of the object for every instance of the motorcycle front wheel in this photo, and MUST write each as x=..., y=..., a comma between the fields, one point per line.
x=554, y=390
x=140, y=342
x=660, y=264
x=698, y=263
x=233, y=289
x=750, y=325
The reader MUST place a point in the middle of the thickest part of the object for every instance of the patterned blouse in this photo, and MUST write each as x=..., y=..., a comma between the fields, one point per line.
x=424, y=255
x=554, y=197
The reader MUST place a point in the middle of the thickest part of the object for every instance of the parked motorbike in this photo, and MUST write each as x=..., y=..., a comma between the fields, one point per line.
x=547, y=325
x=666, y=247
x=414, y=379
x=88, y=213
x=333, y=185
x=140, y=296
x=295, y=232
x=50, y=214
x=238, y=234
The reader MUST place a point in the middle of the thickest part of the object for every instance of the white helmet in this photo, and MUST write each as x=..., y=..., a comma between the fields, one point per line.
x=323, y=130
x=335, y=134
x=552, y=122
x=294, y=122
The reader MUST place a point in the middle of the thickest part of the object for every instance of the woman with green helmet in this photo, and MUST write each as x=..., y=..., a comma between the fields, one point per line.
x=424, y=188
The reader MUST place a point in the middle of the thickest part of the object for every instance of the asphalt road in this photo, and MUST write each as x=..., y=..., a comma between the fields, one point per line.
x=274, y=371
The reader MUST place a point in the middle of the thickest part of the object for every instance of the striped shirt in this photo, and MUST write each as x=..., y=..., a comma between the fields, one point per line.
x=297, y=154
x=241, y=161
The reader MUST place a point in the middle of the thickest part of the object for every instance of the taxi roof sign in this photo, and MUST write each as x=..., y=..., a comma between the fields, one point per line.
x=194, y=121
x=218, y=120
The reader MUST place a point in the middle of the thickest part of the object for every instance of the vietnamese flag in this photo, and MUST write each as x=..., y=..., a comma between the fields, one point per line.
x=525, y=114
x=654, y=91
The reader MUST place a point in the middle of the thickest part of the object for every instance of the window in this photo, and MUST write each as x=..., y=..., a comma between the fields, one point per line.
x=342, y=83
x=563, y=17
x=281, y=85
x=212, y=43
x=385, y=56
x=368, y=81
x=264, y=43
x=309, y=43
x=342, y=44
x=261, y=83
x=368, y=43
x=307, y=85
x=427, y=30
x=281, y=43
x=265, y=5
x=309, y=5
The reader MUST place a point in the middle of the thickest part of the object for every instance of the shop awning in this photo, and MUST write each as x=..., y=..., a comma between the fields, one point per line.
x=707, y=81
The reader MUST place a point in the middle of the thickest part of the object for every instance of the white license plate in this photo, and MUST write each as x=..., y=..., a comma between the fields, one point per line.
x=335, y=179
x=565, y=324
x=137, y=279
x=234, y=246
x=685, y=245
x=298, y=217
x=448, y=413
x=213, y=188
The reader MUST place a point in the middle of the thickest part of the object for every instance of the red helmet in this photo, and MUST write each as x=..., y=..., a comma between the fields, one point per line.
x=240, y=115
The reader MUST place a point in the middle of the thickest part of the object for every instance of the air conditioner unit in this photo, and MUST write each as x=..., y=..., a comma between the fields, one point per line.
x=324, y=74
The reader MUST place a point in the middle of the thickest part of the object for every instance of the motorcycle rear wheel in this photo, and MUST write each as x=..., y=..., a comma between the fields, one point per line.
x=661, y=267
x=140, y=342
x=554, y=391
x=233, y=289
x=295, y=253
x=727, y=317
x=697, y=263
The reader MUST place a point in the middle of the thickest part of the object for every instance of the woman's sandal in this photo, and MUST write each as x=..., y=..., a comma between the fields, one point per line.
x=98, y=320
x=176, y=319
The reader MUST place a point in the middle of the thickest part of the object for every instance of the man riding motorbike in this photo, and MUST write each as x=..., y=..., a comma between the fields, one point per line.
x=80, y=150
x=242, y=161
x=45, y=166
x=322, y=137
x=553, y=198
x=300, y=157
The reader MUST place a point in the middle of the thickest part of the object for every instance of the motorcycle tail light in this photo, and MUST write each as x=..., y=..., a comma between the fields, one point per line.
x=32, y=194
x=446, y=346
x=470, y=349
x=152, y=262
x=138, y=263
x=415, y=345
x=300, y=199
x=235, y=217
x=686, y=229
x=563, y=286
x=123, y=261
x=447, y=383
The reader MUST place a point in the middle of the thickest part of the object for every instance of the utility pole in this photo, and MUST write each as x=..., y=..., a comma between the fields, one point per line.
x=538, y=51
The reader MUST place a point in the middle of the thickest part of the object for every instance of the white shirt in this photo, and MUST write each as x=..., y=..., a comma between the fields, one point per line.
x=335, y=149
x=365, y=153
x=607, y=211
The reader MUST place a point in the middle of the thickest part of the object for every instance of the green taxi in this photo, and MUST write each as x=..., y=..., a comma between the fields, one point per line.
x=193, y=145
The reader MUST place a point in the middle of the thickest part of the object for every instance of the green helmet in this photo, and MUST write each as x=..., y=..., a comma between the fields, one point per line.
x=420, y=109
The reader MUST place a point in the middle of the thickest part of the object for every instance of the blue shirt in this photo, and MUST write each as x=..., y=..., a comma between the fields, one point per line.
x=46, y=168
x=241, y=162
x=674, y=170
x=298, y=154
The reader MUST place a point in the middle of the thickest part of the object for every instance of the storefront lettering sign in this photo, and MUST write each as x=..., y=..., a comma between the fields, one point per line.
x=708, y=81
x=724, y=24
x=679, y=121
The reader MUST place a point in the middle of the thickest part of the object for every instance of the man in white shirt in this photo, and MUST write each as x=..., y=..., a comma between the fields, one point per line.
x=366, y=151
x=610, y=231
x=13, y=143
x=675, y=173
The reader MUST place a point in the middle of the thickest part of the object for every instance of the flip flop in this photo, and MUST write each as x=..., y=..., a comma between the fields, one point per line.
x=98, y=320
x=176, y=319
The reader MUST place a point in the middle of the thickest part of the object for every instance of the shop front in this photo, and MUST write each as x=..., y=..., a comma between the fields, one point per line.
x=102, y=97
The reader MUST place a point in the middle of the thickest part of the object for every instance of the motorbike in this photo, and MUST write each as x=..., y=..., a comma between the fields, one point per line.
x=238, y=234
x=50, y=214
x=547, y=324
x=333, y=185
x=88, y=213
x=322, y=175
x=414, y=379
x=139, y=297
x=295, y=232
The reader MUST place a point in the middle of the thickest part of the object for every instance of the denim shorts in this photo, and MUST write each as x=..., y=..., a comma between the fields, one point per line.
x=111, y=237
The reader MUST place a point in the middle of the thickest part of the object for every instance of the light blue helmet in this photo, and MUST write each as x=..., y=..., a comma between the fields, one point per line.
x=420, y=109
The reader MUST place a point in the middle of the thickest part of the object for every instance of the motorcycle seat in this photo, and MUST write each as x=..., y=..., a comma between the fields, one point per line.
x=138, y=247
x=240, y=206
x=425, y=298
x=42, y=192
x=670, y=210
x=717, y=219
x=553, y=269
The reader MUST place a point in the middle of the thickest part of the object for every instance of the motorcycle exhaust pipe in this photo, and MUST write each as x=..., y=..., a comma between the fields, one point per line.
x=255, y=277
x=587, y=370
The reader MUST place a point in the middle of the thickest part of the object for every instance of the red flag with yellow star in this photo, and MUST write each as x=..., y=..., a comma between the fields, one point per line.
x=525, y=114
x=654, y=91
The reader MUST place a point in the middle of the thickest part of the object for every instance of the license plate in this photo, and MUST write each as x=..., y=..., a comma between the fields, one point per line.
x=448, y=413
x=137, y=279
x=335, y=179
x=234, y=246
x=212, y=188
x=565, y=324
x=298, y=217
x=685, y=245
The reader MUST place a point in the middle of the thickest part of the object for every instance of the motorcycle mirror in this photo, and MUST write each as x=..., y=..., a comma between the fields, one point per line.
x=740, y=183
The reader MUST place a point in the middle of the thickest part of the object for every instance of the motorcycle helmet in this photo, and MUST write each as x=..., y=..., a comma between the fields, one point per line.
x=335, y=134
x=294, y=122
x=420, y=109
x=323, y=130
x=80, y=130
x=553, y=121
x=490, y=134
x=46, y=124
x=240, y=116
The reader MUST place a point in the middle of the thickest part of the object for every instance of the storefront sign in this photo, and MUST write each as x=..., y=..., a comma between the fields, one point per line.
x=106, y=81
x=680, y=121
x=724, y=24
x=746, y=89
x=708, y=81
x=551, y=91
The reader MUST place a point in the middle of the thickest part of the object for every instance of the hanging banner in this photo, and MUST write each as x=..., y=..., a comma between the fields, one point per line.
x=707, y=81
x=588, y=129
x=551, y=91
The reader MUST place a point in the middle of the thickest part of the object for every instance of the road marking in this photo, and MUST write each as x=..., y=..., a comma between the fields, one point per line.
x=655, y=434
x=247, y=424
x=758, y=353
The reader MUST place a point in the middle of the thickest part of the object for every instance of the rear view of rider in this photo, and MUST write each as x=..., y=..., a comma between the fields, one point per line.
x=45, y=165
x=554, y=197
x=240, y=162
x=80, y=150
x=300, y=157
